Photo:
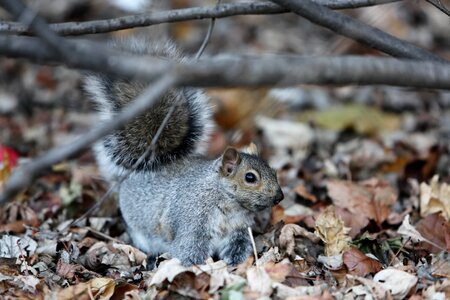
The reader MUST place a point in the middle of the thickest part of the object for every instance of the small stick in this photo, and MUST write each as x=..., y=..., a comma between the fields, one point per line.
x=253, y=244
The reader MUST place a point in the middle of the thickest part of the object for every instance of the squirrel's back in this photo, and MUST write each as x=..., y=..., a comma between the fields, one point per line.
x=184, y=133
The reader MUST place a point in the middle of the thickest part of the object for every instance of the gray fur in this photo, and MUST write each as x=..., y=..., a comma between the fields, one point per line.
x=180, y=203
x=191, y=211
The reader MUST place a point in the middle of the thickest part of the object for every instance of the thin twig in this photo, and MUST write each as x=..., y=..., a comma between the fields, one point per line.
x=438, y=4
x=234, y=70
x=356, y=30
x=252, y=240
x=21, y=12
x=178, y=15
x=208, y=34
x=398, y=251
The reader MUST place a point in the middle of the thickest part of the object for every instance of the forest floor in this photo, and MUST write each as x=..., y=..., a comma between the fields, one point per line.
x=365, y=171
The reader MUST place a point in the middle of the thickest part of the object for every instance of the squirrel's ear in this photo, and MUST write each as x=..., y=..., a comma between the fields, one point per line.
x=230, y=161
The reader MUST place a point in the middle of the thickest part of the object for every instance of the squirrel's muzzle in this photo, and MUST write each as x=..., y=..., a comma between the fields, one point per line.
x=278, y=197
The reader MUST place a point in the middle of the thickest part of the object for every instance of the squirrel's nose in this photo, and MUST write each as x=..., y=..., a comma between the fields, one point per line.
x=278, y=197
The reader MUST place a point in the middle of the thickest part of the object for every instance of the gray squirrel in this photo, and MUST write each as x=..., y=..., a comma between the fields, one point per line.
x=176, y=200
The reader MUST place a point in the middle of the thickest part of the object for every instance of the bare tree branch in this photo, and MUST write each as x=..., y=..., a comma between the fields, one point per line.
x=439, y=5
x=25, y=174
x=240, y=70
x=196, y=13
x=356, y=30
x=88, y=55
x=32, y=20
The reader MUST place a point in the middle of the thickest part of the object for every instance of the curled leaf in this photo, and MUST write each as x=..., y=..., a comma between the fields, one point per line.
x=331, y=230
x=287, y=237
x=434, y=198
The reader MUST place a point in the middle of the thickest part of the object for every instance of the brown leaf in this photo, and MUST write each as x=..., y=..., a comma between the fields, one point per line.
x=285, y=273
x=71, y=272
x=436, y=229
x=278, y=271
x=122, y=290
x=371, y=199
x=302, y=192
x=235, y=106
x=356, y=222
x=120, y=256
x=191, y=285
x=14, y=216
x=360, y=264
x=97, y=288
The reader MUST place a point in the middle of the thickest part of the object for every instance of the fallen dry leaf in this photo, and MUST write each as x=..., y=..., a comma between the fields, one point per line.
x=398, y=282
x=168, y=269
x=285, y=292
x=73, y=272
x=189, y=284
x=367, y=200
x=234, y=106
x=434, y=241
x=301, y=191
x=408, y=230
x=287, y=237
x=356, y=222
x=119, y=256
x=14, y=216
x=25, y=283
x=135, y=256
x=375, y=289
x=332, y=232
x=285, y=272
x=360, y=264
x=436, y=230
x=440, y=265
x=434, y=198
x=97, y=288
x=218, y=272
x=259, y=281
x=332, y=262
x=126, y=291
x=12, y=246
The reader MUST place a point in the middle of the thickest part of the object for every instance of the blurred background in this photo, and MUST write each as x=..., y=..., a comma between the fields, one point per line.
x=309, y=133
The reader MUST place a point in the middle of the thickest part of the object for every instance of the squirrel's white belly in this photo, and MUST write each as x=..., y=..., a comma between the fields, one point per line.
x=150, y=245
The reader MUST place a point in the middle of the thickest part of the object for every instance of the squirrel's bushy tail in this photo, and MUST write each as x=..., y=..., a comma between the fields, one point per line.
x=184, y=134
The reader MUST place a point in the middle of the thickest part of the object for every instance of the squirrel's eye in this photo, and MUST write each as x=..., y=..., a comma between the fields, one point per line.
x=250, y=177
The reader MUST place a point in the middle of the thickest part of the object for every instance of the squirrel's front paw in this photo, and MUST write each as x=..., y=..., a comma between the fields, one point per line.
x=237, y=252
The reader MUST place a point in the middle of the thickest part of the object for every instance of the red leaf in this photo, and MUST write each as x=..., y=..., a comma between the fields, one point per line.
x=8, y=157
